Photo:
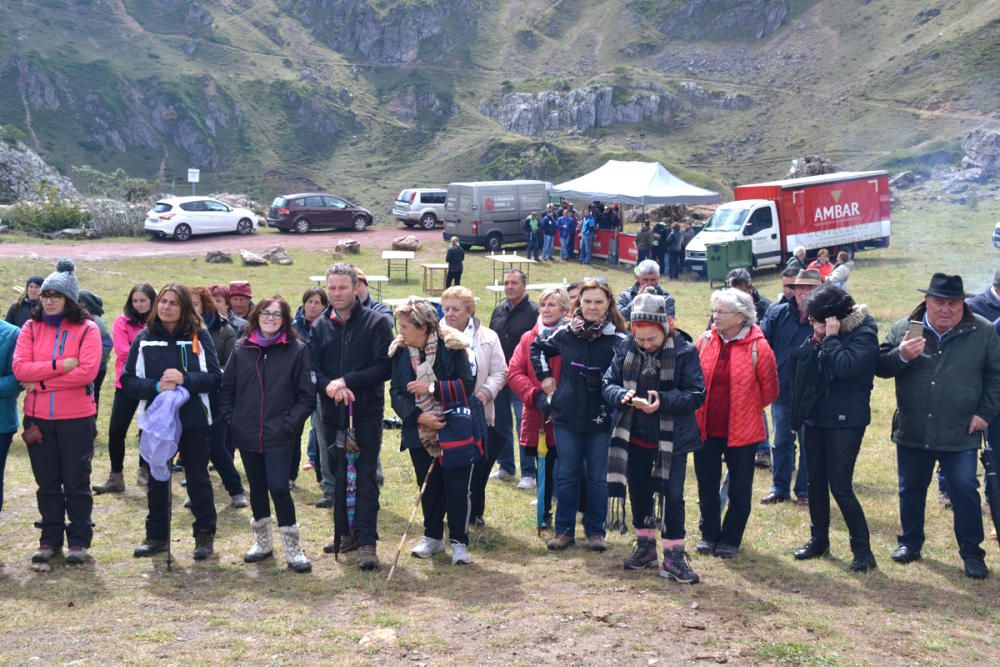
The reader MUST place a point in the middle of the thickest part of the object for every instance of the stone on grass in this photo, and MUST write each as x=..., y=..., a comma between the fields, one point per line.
x=348, y=247
x=218, y=257
x=277, y=255
x=408, y=242
x=252, y=259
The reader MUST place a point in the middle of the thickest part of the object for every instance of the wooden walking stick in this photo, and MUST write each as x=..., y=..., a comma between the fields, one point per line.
x=423, y=487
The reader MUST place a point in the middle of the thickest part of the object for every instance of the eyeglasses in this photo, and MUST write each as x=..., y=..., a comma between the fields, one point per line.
x=52, y=297
x=270, y=314
x=723, y=312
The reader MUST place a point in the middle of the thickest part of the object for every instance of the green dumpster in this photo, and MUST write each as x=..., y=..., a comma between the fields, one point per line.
x=721, y=258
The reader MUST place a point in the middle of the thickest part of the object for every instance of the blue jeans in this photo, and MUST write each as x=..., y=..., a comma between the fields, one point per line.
x=783, y=453
x=576, y=450
x=529, y=464
x=564, y=250
x=548, y=245
x=312, y=453
x=640, y=255
x=586, y=244
x=5, y=440
x=765, y=445
x=916, y=467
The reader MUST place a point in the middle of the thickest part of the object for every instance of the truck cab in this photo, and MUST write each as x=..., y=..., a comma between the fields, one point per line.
x=753, y=219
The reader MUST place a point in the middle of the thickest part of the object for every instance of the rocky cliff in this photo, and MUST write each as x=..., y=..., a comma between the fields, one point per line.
x=701, y=19
x=400, y=34
x=583, y=109
x=25, y=176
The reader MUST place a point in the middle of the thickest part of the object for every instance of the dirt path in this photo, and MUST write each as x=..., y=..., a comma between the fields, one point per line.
x=380, y=236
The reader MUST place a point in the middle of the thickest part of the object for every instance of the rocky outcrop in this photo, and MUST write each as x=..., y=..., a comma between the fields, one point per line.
x=811, y=165
x=706, y=19
x=583, y=109
x=410, y=105
x=579, y=110
x=25, y=176
x=982, y=153
x=387, y=33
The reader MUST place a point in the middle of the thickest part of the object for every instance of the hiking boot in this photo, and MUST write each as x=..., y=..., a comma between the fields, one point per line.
x=239, y=501
x=676, y=566
x=460, y=553
x=142, y=476
x=560, y=542
x=204, y=546
x=597, y=543
x=149, y=547
x=325, y=503
x=975, y=568
x=814, y=548
x=704, y=548
x=294, y=555
x=725, y=551
x=762, y=460
x=527, y=482
x=76, y=555
x=346, y=544
x=115, y=484
x=367, y=558
x=45, y=553
x=263, y=541
x=643, y=556
x=427, y=547
x=863, y=562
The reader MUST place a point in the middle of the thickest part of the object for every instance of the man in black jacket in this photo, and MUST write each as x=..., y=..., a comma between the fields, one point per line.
x=349, y=348
x=510, y=320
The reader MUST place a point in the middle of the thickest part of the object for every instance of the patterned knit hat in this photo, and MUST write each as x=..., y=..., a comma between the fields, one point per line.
x=648, y=306
x=63, y=280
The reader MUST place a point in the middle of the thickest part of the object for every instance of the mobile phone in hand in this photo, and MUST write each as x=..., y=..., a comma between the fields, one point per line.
x=916, y=329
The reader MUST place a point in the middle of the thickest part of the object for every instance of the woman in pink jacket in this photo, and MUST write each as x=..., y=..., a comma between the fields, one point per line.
x=553, y=307
x=126, y=327
x=56, y=359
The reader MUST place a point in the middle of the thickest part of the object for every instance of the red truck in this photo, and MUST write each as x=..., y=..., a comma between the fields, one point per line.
x=847, y=210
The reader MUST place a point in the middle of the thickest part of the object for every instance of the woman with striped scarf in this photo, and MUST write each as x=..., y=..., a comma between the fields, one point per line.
x=656, y=383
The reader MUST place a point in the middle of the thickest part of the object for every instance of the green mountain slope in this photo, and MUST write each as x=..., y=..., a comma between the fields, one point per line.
x=367, y=96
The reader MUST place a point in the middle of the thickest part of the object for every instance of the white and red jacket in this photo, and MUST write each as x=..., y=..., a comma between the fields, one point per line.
x=38, y=358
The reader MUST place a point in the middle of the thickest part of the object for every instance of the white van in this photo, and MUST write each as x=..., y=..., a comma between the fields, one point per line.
x=491, y=213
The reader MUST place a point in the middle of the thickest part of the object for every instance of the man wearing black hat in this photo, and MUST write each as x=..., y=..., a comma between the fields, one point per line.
x=947, y=391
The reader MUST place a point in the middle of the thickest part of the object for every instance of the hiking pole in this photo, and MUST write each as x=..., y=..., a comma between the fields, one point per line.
x=170, y=512
x=423, y=487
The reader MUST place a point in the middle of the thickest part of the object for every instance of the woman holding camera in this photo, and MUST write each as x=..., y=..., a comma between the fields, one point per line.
x=582, y=420
x=834, y=374
x=56, y=359
x=656, y=380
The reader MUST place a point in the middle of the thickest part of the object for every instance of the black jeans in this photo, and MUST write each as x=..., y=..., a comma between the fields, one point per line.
x=193, y=449
x=61, y=464
x=676, y=260
x=123, y=409
x=481, y=471
x=98, y=381
x=447, y=492
x=640, y=491
x=221, y=456
x=452, y=278
x=369, y=438
x=830, y=457
x=708, y=470
x=267, y=473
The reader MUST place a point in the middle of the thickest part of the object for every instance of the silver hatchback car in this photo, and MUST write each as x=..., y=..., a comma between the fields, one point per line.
x=420, y=206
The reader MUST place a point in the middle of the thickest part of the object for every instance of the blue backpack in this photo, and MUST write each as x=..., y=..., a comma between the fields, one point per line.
x=461, y=440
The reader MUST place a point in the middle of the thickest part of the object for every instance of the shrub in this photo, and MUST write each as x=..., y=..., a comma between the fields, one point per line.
x=116, y=185
x=46, y=216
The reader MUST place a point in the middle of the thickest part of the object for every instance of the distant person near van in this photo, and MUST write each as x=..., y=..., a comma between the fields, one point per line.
x=455, y=257
x=587, y=231
x=533, y=231
x=566, y=224
x=548, y=232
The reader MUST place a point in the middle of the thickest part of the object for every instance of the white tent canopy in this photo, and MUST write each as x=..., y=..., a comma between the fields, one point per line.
x=637, y=183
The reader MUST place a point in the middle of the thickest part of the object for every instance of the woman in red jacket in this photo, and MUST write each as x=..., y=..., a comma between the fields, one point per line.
x=56, y=359
x=553, y=307
x=741, y=379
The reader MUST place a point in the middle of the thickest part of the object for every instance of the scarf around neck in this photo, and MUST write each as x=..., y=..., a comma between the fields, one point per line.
x=637, y=361
x=428, y=436
x=267, y=341
x=588, y=331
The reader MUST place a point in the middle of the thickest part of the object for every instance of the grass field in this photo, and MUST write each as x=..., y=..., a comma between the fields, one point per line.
x=518, y=604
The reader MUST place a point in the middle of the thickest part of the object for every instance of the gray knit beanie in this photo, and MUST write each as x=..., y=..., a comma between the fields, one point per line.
x=63, y=280
x=648, y=306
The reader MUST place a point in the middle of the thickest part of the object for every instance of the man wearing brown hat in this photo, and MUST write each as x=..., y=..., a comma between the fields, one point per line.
x=947, y=391
x=240, y=298
x=786, y=328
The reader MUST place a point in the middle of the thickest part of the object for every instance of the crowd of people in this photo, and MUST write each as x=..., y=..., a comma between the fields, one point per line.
x=602, y=396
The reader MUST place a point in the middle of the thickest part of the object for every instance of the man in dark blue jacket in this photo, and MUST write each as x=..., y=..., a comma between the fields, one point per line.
x=349, y=347
x=786, y=329
x=987, y=302
x=548, y=232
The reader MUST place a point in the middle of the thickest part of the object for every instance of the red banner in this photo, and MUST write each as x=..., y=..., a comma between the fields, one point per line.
x=602, y=243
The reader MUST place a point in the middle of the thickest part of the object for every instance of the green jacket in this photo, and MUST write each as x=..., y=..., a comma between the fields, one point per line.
x=644, y=239
x=938, y=392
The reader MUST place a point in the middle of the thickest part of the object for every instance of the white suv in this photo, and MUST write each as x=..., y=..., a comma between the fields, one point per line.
x=423, y=206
